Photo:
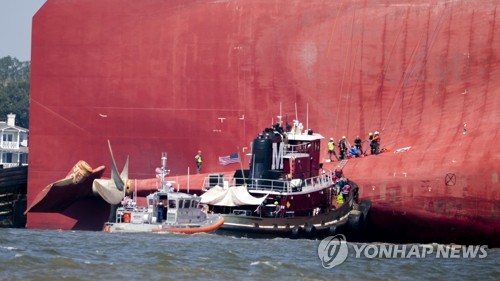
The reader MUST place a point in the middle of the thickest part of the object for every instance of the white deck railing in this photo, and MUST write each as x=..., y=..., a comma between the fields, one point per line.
x=279, y=185
x=11, y=165
x=9, y=145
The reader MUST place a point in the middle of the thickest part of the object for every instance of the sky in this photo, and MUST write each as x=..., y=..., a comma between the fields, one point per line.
x=15, y=27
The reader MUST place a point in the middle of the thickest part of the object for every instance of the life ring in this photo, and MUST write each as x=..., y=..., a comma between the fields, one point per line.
x=126, y=217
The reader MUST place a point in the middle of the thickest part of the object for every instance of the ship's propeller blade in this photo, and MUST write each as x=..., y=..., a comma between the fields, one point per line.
x=112, y=190
x=108, y=191
x=115, y=176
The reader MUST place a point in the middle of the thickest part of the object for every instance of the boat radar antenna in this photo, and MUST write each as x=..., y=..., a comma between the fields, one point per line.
x=162, y=172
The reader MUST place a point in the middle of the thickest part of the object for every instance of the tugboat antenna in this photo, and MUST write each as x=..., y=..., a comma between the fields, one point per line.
x=296, y=113
x=307, y=116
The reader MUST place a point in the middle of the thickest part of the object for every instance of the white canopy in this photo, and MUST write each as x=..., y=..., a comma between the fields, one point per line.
x=231, y=197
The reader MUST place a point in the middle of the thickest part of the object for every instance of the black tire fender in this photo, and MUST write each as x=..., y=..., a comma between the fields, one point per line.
x=310, y=231
x=296, y=232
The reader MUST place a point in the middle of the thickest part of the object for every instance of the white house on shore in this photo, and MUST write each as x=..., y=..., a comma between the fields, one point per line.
x=13, y=143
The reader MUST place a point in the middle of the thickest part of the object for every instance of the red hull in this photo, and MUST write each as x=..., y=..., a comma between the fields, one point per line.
x=179, y=76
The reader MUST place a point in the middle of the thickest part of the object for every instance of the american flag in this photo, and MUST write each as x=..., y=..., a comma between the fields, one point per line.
x=226, y=160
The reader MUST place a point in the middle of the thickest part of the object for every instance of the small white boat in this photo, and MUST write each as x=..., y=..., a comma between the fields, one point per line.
x=165, y=211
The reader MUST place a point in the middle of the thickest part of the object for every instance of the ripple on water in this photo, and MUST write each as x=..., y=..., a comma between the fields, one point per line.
x=78, y=255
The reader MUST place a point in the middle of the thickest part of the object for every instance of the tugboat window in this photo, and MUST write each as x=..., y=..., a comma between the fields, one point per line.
x=187, y=203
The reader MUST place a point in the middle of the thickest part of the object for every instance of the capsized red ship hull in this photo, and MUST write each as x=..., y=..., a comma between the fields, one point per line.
x=179, y=76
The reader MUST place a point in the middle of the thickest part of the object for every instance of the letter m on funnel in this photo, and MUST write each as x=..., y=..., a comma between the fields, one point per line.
x=277, y=161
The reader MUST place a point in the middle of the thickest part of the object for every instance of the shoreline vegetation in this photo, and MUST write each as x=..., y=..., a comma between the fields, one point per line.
x=15, y=89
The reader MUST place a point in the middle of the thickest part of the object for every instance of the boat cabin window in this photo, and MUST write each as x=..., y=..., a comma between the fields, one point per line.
x=187, y=203
x=194, y=203
x=172, y=204
x=151, y=202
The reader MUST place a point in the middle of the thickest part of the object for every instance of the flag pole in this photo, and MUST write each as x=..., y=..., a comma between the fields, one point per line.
x=241, y=167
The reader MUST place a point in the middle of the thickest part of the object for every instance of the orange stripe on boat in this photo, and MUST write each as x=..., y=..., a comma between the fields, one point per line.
x=193, y=230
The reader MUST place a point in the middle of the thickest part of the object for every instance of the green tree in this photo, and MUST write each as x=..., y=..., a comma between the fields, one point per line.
x=15, y=89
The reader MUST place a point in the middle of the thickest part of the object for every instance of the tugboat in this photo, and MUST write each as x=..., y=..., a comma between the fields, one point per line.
x=286, y=192
x=165, y=211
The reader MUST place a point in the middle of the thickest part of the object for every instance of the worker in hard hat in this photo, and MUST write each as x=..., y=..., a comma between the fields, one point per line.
x=343, y=147
x=199, y=161
x=376, y=142
x=358, y=143
x=331, y=150
x=372, y=147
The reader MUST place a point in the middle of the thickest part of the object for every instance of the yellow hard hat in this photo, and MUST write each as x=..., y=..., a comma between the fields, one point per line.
x=370, y=133
x=343, y=137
